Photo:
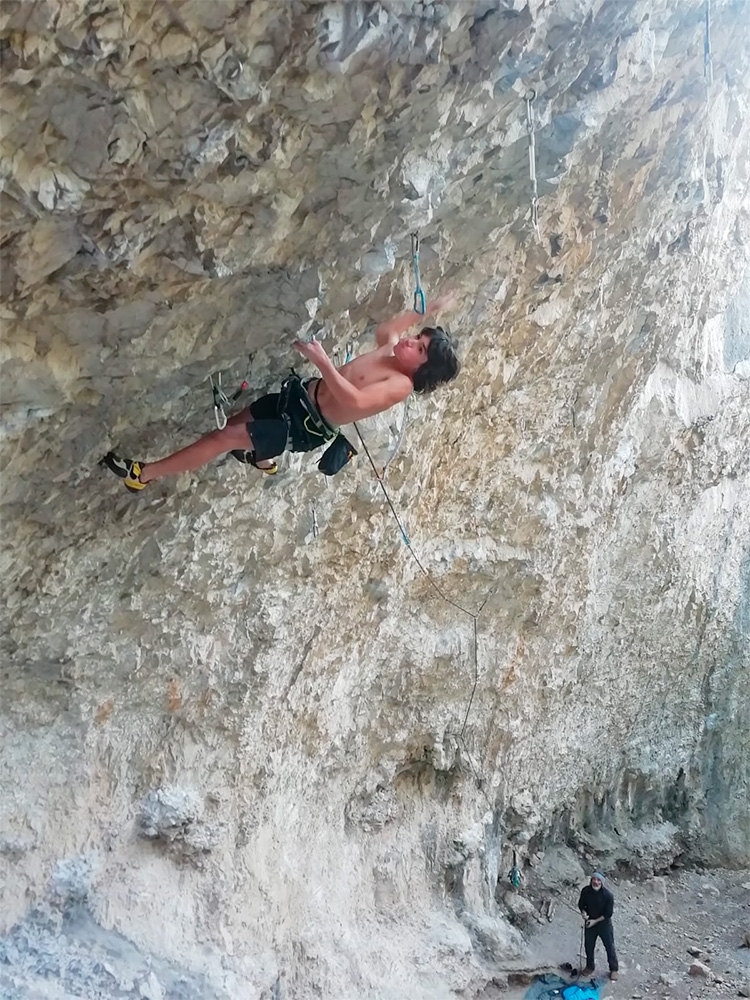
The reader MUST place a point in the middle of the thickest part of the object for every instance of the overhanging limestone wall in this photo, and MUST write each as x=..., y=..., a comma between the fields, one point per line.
x=180, y=180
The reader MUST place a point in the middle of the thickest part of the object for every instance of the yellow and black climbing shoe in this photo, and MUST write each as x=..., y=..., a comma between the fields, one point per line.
x=126, y=469
x=247, y=458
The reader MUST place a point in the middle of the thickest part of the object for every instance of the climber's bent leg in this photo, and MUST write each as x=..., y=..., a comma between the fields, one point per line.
x=269, y=436
x=208, y=447
x=243, y=417
x=257, y=434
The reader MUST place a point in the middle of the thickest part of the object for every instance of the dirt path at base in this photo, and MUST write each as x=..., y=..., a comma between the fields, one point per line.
x=655, y=922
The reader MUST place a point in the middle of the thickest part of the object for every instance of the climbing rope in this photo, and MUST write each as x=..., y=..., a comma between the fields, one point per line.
x=419, y=299
x=388, y=500
x=221, y=401
x=400, y=438
x=708, y=66
x=580, y=951
x=530, y=98
x=473, y=615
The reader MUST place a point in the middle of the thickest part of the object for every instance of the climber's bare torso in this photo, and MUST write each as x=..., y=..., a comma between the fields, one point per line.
x=378, y=375
x=374, y=381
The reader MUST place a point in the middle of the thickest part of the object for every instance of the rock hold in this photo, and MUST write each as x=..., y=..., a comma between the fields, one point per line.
x=180, y=181
x=174, y=816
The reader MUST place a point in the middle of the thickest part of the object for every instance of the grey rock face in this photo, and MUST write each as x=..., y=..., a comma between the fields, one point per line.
x=188, y=187
x=174, y=817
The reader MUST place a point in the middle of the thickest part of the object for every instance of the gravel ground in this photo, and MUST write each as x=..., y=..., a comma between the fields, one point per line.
x=662, y=927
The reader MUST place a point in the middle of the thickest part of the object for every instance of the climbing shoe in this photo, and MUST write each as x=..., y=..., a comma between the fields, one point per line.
x=126, y=469
x=246, y=457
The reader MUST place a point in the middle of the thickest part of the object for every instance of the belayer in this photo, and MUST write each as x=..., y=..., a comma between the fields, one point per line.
x=596, y=904
x=306, y=414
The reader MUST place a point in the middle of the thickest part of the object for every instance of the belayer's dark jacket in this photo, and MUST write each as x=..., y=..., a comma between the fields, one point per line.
x=596, y=903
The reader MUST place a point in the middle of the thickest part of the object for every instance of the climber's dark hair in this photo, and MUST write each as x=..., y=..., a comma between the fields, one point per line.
x=442, y=364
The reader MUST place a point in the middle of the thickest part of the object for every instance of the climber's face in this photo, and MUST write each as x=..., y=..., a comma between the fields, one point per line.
x=411, y=352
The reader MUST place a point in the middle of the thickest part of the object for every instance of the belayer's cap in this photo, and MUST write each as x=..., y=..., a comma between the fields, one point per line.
x=598, y=875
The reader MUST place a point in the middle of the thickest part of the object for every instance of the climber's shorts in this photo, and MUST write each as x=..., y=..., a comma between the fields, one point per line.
x=282, y=420
x=268, y=431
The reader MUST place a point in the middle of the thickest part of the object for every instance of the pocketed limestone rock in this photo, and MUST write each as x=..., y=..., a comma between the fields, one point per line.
x=173, y=816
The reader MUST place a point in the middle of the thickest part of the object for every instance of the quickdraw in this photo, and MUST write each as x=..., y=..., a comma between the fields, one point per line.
x=530, y=98
x=419, y=299
x=514, y=875
x=222, y=402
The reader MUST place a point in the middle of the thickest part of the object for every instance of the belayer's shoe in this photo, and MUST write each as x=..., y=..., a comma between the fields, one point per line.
x=246, y=457
x=125, y=469
x=614, y=976
x=586, y=972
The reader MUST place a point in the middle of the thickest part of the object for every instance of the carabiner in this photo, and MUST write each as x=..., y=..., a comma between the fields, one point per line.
x=419, y=299
x=220, y=401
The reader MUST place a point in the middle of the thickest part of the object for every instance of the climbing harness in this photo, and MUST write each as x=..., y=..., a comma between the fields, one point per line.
x=708, y=67
x=514, y=875
x=302, y=417
x=419, y=299
x=530, y=98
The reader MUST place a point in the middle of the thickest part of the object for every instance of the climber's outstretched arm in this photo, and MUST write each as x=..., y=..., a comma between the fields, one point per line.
x=390, y=331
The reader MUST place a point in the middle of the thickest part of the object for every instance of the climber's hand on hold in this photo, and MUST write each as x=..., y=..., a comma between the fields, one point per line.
x=445, y=301
x=313, y=351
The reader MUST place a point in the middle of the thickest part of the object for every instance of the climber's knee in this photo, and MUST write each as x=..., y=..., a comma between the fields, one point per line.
x=234, y=436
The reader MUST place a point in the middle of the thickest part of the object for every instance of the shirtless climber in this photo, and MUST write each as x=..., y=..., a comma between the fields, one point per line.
x=305, y=415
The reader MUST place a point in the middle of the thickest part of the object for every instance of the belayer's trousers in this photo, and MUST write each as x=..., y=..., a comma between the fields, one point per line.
x=605, y=931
